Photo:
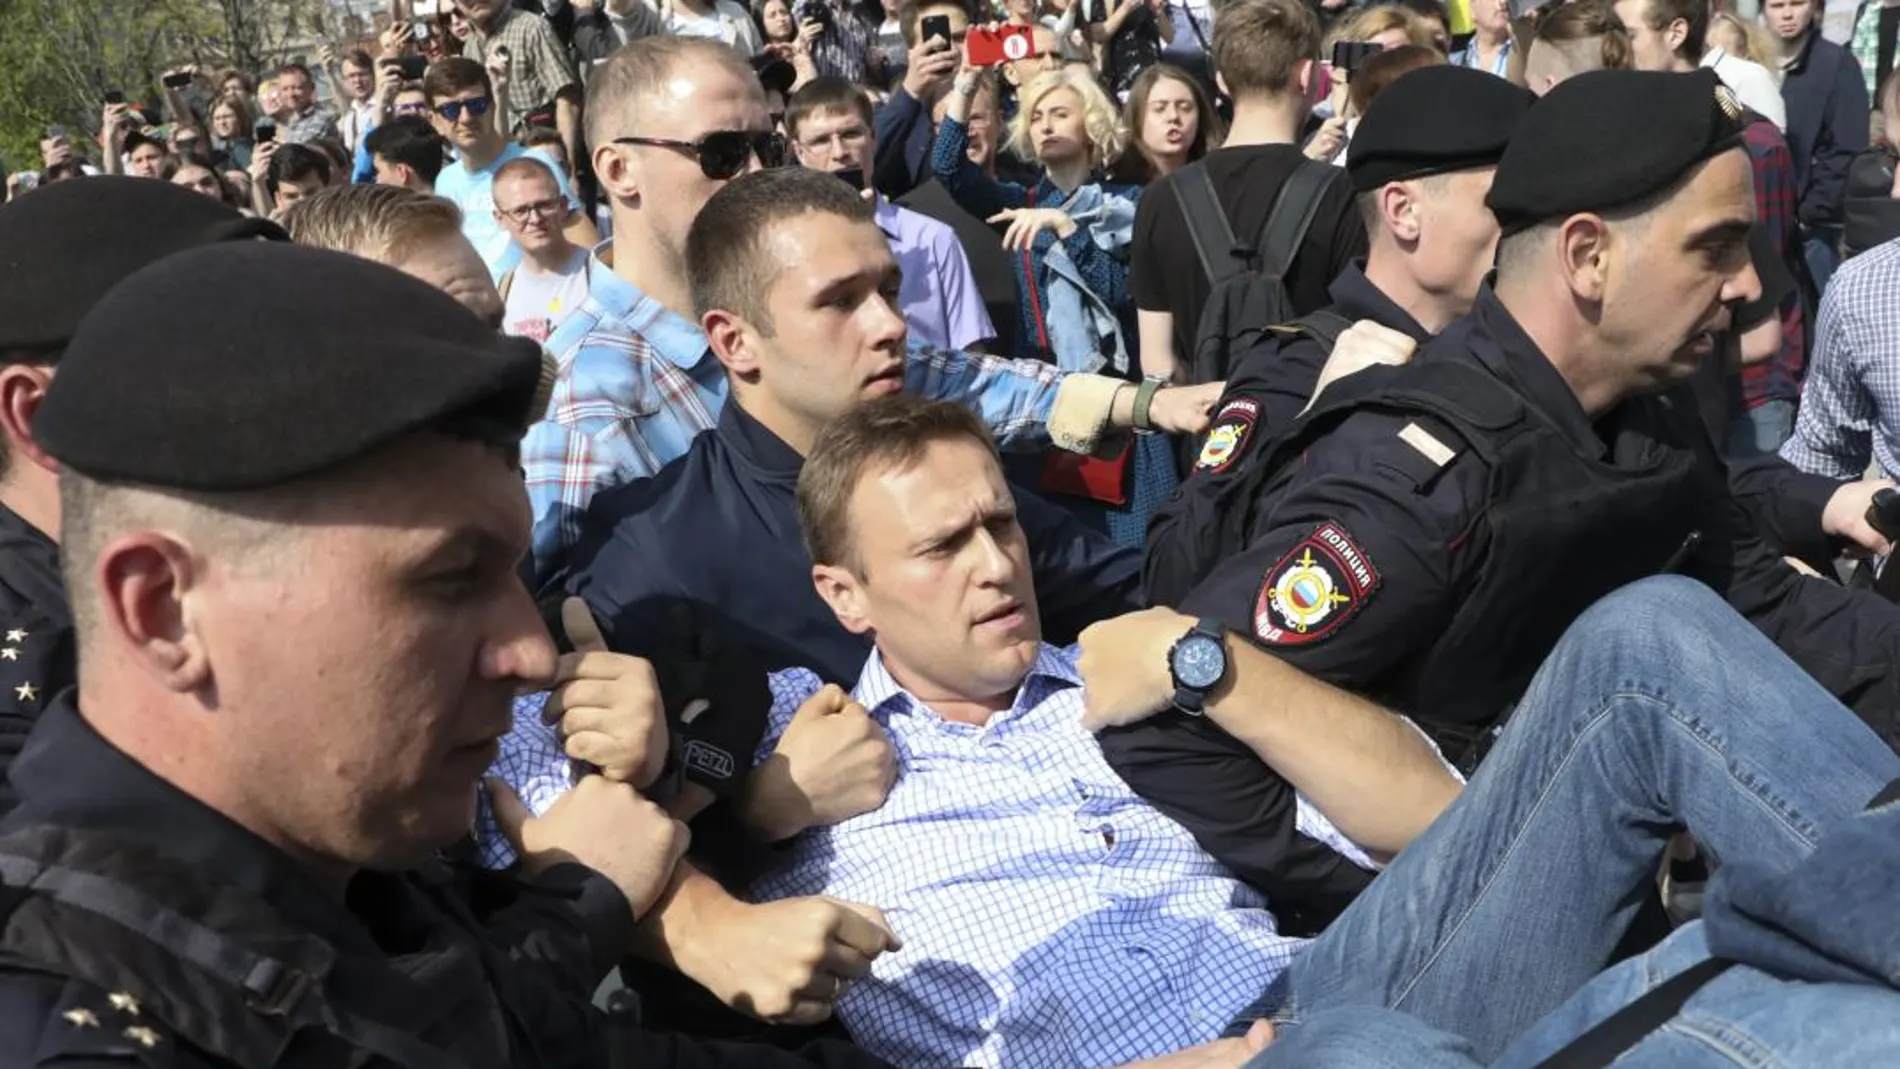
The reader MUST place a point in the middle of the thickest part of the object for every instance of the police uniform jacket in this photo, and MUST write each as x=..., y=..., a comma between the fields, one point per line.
x=717, y=532
x=1379, y=555
x=36, y=656
x=145, y=928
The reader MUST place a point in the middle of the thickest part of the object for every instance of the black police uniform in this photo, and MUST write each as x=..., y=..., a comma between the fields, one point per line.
x=142, y=926
x=717, y=530
x=36, y=654
x=60, y=251
x=1424, y=535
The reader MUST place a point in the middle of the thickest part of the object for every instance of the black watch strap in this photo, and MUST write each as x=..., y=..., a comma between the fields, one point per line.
x=1193, y=700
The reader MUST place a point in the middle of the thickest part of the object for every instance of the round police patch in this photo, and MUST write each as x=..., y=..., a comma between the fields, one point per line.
x=1320, y=584
x=1233, y=424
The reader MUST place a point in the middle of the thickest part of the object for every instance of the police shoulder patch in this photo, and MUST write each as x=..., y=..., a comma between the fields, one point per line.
x=1231, y=428
x=1312, y=591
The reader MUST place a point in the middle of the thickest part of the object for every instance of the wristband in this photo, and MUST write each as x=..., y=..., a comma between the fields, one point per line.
x=1144, y=400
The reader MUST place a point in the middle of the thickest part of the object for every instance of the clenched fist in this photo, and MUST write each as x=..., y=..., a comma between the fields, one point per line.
x=607, y=705
x=604, y=825
x=787, y=962
x=833, y=763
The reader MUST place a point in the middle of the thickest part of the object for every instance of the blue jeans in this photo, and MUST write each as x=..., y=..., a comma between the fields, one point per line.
x=1821, y=249
x=1760, y=431
x=1660, y=708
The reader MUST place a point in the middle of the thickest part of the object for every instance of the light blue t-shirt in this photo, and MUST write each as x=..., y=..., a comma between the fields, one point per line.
x=474, y=193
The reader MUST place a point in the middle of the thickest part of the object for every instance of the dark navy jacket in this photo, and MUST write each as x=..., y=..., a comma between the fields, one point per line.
x=716, y=532
x=36, y=636
x=1827, y=125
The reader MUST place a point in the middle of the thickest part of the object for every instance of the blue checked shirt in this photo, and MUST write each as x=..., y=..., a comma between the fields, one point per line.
x=1051, y=919
x=1850, y=406
x=637, y=382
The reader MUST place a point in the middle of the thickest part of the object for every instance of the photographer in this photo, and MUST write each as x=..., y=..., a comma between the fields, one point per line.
x=840, y=42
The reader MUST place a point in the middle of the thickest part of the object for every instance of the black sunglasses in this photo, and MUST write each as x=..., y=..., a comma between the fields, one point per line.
x=452, y=109
x=725, y=153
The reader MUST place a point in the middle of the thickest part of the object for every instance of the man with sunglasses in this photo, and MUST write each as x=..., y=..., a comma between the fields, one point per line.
x=462, y=107
x=672, y=120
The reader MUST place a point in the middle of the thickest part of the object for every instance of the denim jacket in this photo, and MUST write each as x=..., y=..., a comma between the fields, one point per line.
x=1816, y=984
x=1084, y=329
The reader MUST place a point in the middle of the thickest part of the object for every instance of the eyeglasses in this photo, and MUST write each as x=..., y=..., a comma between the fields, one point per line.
x=452, y=109
x=724, y=154
x=552, y=208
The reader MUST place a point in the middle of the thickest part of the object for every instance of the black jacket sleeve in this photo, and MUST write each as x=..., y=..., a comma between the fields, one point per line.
x=1843, y=136
x=1786, y=505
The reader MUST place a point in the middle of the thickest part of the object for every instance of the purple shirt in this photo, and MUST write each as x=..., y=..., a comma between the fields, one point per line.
x=938, y=296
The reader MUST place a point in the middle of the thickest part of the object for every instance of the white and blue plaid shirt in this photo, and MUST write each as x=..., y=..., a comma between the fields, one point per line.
x=1051, y=918
x=1850, y=406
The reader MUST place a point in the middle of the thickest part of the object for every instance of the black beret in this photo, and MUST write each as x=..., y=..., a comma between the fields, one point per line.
x=1433, y=120
x=241, y=366
x=1609, y=138
x=62, y=247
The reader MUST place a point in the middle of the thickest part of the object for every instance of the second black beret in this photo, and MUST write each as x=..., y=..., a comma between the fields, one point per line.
x=64, y=246
x=1433, y=120
x=306, y=359
x=1609, y=138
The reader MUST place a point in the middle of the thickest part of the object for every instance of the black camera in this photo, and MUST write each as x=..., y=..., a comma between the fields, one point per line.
x=815, y=11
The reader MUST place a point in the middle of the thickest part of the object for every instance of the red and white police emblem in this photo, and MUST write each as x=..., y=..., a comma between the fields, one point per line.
x=1233, y=424
x=1319, y=585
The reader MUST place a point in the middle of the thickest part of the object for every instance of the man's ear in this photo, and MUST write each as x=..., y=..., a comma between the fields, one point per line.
x=733, y=340
x=844, y=593
x=1675, y=33
x=1584, y=249
x=146, y=581
x=1399, y=208
x=22, y=389
x=617, y=172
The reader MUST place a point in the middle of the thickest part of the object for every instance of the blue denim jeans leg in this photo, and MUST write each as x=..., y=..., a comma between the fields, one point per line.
x=1660, y=708
x=1760, y=431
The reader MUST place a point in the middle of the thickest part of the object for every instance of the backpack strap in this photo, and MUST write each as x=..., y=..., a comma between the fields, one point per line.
x=1616, y=1034
x=1222, y=255
x=1294, y=209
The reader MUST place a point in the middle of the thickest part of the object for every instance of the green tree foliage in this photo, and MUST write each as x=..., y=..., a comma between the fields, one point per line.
x=58, y=58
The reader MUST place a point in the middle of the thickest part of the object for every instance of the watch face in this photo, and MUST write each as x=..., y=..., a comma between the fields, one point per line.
x=1199, y=662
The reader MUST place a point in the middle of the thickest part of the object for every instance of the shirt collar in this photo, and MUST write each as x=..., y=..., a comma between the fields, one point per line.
x=1517, y=358
x=1357, y=298
x=670, y=334
x=883, y=697
x=69, y=775
x=885, y=213
x=756, y=445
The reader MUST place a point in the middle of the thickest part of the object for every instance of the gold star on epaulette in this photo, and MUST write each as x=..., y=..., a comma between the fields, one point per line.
x=141, y=1035
x=124, y=1003
x=26, y=692
x=81, y=1017
x=1726, y=100
x=16, y=635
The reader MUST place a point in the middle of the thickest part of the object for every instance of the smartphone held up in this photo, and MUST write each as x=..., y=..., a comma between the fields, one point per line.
x=995, y=46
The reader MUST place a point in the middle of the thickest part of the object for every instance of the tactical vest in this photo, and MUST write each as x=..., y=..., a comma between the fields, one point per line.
x=1565, y=528
x=225, y=972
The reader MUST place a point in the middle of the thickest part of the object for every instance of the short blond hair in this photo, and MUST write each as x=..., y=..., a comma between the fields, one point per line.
x=1101, y=119
x=381, y=223
x=617, y=88
x=1374, y=21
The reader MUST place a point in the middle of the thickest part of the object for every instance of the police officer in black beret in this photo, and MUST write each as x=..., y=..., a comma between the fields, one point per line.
x=292, y=555
x=1422, y=162
x=1424, y=533
x=61, y=249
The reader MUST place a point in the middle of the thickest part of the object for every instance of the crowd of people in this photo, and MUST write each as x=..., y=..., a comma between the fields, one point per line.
x=1167, y=534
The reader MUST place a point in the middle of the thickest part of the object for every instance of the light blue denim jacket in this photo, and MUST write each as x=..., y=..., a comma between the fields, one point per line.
x=1085, y=330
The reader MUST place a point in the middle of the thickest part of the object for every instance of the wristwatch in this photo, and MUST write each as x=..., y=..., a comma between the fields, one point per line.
x=1198, y=662
x=1144, y=400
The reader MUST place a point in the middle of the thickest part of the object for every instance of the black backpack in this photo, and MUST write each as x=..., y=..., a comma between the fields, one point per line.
x=1247, y=283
